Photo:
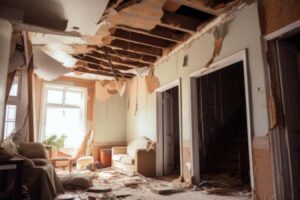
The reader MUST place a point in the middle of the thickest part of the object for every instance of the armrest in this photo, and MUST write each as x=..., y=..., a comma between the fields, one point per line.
x=118, y=150
x=33, y=150
x=145, y=162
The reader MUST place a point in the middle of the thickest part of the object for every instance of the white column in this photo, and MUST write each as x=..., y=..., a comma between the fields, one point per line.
x=5, y=40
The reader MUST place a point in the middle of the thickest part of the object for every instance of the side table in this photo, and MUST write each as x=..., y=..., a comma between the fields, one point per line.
x=105, y=157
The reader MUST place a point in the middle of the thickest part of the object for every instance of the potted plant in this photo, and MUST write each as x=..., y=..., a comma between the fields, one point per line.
x=56, y=142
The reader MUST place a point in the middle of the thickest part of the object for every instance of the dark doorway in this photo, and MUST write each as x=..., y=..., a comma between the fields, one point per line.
x=288, y=59
x=223, y=123
x=170, y=130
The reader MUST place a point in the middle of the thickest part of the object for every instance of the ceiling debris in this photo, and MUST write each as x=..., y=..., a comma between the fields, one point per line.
x=117, y=39
x=46, y=67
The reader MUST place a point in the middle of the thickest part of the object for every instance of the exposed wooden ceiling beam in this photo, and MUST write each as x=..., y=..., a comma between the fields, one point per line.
x=161, y=32
x=128, y=55
x=139, y=48
x=100, y=63
x=101, y=72
x=117, y=59
x=141, y=38
x=180, y=22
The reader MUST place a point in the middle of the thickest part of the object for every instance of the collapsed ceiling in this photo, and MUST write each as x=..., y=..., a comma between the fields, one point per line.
x=128, y=37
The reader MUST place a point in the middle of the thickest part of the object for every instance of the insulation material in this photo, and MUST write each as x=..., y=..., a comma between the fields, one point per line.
x=46, y=67
x=152, y=82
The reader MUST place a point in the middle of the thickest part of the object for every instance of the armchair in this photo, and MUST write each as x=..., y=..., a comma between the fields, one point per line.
x=137, y=157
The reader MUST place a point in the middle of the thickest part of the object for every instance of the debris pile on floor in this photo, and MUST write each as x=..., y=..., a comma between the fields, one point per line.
x=108, y=184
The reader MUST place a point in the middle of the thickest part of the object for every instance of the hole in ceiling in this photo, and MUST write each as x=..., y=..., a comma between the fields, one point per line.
x=191, y=12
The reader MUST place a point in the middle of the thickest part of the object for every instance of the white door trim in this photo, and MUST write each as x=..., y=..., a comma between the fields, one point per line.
x=159, y=131
x=226, y=62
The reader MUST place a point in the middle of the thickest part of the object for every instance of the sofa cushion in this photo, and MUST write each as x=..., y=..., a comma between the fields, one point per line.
x=118, y=157
x=139, y=143
x=128, y=160
x=33, y=150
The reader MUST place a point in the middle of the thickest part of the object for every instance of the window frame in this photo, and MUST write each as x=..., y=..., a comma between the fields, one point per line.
x=15, y=101
x=44, y=105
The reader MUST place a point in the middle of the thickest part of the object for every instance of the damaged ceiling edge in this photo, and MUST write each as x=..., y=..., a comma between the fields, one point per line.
x=223, y=18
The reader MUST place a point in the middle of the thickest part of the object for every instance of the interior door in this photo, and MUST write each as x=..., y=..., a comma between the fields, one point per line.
x=208, y=111
x=290, y=83
x=168, y=128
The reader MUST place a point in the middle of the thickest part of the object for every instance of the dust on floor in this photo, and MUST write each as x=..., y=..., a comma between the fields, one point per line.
x=138, y=187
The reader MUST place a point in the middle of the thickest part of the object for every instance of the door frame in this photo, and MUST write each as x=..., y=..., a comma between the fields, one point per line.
x=278, y=141
x=159, y=129
x=223, y=63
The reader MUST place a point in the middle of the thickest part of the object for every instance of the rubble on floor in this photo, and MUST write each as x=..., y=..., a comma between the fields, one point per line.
x=109, y=184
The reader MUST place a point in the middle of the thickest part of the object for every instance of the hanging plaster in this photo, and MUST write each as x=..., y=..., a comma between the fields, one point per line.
x=219, y=32
x=106, y=88
x=152, y=82
x=46, y=67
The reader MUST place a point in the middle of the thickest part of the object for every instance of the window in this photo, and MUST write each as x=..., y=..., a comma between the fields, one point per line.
x=64, y=113
x=10, y=119
x=11, y=106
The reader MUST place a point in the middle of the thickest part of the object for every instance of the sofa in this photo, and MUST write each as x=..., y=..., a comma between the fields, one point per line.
x=139, y=156
x=39, y=175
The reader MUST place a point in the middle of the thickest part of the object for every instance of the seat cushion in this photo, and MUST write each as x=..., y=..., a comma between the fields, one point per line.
x=33, y=150
x=139, y=143
x=128, y=160
x=118, y=157
x=39, y=161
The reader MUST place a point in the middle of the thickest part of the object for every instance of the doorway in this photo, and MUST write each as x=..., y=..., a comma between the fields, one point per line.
x=221, y=128
x=285, y=137
x=168, y=115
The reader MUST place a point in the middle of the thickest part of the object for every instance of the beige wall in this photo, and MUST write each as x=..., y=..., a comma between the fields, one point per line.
x=5, y=39
x=243, y=33
x=110, y=120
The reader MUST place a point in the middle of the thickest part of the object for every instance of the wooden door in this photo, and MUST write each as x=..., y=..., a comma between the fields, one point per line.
x=290, y=84
x=168, y=129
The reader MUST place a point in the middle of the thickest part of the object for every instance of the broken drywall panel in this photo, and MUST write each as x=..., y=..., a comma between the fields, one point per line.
x=46, y=67
x=144, y=15
x=141, y=15
x=40, y=39
x=59, y=53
